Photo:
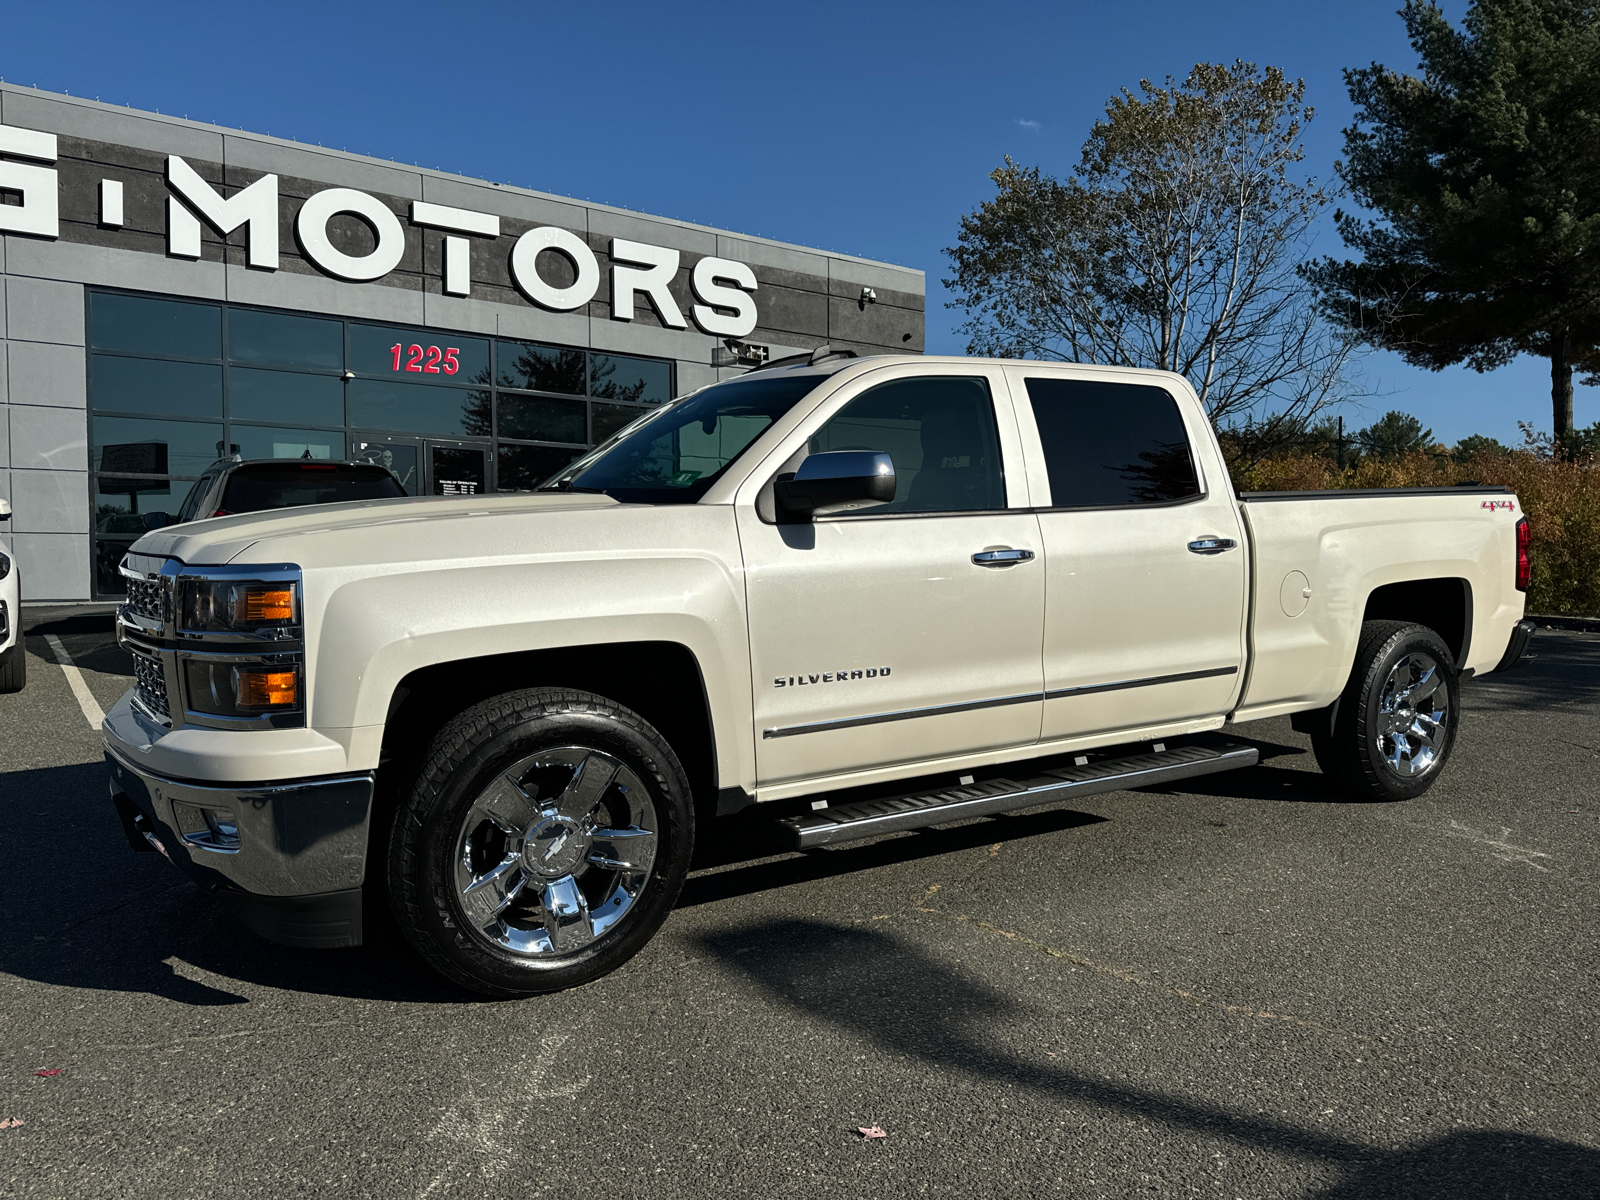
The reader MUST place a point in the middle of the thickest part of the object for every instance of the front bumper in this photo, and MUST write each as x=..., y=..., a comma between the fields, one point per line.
x=289, y=858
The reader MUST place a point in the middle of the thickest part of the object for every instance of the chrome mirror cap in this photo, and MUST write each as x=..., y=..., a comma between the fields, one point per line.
x=837, y=481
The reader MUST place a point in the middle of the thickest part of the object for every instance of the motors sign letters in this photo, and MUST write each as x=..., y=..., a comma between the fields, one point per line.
x=724, y=288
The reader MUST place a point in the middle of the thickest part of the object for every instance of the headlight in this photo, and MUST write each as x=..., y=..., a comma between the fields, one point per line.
x=239, y=655
x=253, y=606
x=5, y=565
x=222, y=688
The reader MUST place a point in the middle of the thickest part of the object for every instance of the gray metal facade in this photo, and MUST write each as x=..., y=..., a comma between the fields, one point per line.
x=804, y=297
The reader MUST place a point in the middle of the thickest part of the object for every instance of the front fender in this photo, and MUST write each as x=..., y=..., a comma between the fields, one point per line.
x=375, y=631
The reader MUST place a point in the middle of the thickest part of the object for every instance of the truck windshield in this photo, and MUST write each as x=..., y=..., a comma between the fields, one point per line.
x=677, y=453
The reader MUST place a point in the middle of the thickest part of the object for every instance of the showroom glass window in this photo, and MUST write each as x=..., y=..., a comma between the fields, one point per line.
x=174, y=385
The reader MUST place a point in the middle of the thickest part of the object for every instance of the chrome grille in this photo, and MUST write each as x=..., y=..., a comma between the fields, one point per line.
x=146, y=598
x=150, y=684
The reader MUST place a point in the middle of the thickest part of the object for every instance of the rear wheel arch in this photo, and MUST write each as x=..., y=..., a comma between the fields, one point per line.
x=1442, y=604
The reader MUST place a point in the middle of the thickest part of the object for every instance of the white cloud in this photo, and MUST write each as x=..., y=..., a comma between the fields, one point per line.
x=1027, y=124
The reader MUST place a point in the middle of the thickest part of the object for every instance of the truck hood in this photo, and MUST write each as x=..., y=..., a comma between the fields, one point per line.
x=382, y=528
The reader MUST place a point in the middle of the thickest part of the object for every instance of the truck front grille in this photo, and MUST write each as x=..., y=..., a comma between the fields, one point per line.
x=150, y=684
x=146, y=597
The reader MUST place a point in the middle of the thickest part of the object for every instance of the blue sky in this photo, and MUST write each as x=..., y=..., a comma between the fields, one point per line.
x=865, y=128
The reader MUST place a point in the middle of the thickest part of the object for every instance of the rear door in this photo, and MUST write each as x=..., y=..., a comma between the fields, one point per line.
x=876, y=638
x=1146, y=560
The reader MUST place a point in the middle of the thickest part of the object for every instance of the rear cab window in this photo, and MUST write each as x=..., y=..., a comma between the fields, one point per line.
x=254, y=488
x=1112, y=445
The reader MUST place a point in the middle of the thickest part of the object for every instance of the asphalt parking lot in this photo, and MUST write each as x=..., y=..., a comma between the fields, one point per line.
x=1239, y=987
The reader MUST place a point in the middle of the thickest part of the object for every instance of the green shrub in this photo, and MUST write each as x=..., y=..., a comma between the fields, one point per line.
x=1561, y=498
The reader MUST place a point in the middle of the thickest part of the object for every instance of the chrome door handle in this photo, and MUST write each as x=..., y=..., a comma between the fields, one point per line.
x=1211, y=545
x=1001, y=558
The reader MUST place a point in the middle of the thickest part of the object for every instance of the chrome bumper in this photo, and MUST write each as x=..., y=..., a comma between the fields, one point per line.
x=289, y=858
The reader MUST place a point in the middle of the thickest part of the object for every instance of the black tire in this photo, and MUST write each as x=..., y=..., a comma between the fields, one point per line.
x=451, y=814
x=1362, y=753
x=13, y=669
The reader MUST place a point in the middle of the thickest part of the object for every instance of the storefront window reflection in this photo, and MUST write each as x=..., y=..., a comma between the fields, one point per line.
x=153, y=385
x=145, y=325
x=175, y=385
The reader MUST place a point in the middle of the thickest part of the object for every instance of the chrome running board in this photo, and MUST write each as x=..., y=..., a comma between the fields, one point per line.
x=867, y=818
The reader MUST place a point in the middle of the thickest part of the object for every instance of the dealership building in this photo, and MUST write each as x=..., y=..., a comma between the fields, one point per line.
x=175, y=293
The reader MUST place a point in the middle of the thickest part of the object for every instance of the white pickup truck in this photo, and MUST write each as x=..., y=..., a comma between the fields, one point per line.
x=866, y=594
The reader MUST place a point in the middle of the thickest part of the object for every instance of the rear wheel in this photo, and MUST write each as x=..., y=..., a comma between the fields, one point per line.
x=543, y=843
x=1396, y=721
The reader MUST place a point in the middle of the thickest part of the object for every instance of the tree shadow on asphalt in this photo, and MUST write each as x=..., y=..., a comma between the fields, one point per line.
x=1564, y=671
x=869, y=983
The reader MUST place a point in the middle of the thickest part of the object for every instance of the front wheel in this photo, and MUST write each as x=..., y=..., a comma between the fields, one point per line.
x=14, y=669
x=1397, y=718
x=544, y=842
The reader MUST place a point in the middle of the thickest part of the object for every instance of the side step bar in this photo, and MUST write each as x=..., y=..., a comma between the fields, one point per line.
x=867, y=818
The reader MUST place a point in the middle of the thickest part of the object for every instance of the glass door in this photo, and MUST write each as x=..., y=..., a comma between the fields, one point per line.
x=427, y=466
x=457, y=469
x=403, y=456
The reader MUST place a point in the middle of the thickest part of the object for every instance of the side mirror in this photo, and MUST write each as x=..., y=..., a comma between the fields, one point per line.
x=835, y=482
x=5, y=510
x=156, y=520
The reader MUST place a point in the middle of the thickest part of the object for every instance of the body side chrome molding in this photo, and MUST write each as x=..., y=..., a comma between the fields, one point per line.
x=937, y=710
x=940, y=710
x=1124, y=684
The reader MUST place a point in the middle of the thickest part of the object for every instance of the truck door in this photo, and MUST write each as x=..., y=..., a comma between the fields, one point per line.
x=1146, y=564
x=878, y=638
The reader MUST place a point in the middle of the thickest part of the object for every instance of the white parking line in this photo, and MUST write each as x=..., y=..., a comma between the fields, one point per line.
x=80, y=689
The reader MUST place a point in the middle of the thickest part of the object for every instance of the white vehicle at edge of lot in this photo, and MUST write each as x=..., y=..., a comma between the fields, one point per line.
x=13, y=654
x=862, y=594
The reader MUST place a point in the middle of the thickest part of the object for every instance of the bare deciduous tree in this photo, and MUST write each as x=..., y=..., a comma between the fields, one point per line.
x=1175, y=245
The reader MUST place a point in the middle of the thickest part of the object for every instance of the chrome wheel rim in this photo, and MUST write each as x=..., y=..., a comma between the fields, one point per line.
x=555, y=852
x=1413, y=716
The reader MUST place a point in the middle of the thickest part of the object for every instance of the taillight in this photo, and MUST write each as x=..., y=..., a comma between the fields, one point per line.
x=1524, y=554
x=222, y=512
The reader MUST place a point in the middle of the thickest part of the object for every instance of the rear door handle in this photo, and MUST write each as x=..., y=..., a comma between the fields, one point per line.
x=1001, y=558
x=1211, y=545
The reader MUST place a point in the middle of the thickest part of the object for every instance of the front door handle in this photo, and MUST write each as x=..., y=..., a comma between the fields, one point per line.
x=1211, y=545
x=1001, y=558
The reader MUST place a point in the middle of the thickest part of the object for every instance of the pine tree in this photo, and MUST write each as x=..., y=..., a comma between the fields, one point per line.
x=1484, y=174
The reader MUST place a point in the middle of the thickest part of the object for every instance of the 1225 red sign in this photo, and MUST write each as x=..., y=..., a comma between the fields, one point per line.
x=428, y=360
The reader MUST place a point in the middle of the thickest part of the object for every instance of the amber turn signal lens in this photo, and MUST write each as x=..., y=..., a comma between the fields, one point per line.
x=267, y=689
x=266, y=604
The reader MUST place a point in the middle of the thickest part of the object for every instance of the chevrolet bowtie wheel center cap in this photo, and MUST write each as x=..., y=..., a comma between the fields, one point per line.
x=554, y=846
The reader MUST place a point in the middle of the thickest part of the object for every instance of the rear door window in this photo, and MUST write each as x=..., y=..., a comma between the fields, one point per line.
x=1112, y=445
x=939, y=430
x=289, y=485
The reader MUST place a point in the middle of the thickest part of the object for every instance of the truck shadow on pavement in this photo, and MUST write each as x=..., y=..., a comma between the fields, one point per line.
x=741, y=854
x=122, y=921
x=867, y=983
x=84, y=911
